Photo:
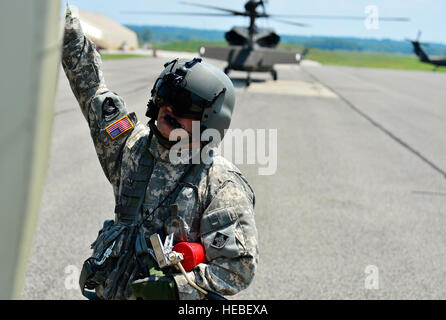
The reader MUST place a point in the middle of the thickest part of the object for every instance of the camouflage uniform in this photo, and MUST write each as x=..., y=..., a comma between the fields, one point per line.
x=218, y=211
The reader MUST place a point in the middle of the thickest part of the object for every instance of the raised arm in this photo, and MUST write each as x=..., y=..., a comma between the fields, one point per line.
x=107, y=116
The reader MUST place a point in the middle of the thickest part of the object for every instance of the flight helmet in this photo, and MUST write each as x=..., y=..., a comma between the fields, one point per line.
x=196, y=90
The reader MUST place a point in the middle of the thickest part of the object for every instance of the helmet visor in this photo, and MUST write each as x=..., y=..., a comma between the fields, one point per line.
x=185, y=104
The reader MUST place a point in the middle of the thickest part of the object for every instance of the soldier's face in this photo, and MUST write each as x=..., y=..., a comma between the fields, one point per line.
x=165, y=128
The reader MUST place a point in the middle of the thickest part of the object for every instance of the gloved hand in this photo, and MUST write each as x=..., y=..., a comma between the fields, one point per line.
x=155, y=288
x=68, y=11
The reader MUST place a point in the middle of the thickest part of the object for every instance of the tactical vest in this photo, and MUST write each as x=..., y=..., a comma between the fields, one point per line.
x=134, y=188
x=127, y=213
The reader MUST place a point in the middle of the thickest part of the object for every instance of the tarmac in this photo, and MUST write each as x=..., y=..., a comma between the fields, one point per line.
x=355, y=210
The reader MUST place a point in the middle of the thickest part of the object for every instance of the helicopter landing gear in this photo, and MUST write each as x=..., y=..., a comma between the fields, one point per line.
x=248, y=80
x=274, y=74
x=227, y=70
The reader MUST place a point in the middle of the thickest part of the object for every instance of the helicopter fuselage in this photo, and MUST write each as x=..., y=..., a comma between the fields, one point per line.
x=239, y=36
x=422, y=55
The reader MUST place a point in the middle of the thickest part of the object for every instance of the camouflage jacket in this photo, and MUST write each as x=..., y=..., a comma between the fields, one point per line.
x=222, y=202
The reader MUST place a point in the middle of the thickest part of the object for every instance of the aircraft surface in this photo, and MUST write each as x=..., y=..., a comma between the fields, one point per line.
x=30, y=68
x=422, y=55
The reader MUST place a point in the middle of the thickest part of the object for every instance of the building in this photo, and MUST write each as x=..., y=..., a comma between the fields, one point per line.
x=107, y=33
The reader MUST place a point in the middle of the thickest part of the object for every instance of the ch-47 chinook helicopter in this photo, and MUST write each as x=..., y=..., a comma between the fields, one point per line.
x=251, y=48
x=422, y=55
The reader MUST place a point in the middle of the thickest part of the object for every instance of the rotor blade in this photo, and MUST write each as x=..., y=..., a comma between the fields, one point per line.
x=416, y=41
x=263, y=6
x=291, y=22
x=179, y=13
x=418, y=35
x=337, y=17
x=234, y=12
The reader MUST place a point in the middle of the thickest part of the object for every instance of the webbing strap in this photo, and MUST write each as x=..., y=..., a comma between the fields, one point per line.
x=125, y=214
x=133, y=193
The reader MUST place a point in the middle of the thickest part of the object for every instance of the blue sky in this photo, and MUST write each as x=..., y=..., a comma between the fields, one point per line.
x=427, y=15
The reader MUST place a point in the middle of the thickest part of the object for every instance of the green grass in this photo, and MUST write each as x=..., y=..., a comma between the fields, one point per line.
x=188, y=46
x=365, y=59
x=108, y=56
x=325, y=57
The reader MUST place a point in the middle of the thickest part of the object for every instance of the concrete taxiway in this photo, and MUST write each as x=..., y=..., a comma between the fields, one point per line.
x=355, y=210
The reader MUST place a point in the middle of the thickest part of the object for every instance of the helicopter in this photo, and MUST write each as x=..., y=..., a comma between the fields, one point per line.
x=422, y=55
x=251, y=48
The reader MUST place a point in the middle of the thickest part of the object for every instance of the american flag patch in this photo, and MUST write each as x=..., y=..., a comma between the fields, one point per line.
x=119, y=127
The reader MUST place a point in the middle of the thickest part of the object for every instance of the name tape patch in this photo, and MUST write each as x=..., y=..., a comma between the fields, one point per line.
x=119, y=127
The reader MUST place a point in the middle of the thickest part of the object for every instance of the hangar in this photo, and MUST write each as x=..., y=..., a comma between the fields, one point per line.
x=107, y=33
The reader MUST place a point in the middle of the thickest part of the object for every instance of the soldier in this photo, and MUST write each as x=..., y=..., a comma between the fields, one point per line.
x=209, y=203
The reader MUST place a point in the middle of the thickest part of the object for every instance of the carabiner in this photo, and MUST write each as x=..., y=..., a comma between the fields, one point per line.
x=107, y=254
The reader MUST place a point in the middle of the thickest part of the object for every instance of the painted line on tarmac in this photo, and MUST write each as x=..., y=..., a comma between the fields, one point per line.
x=379, y=126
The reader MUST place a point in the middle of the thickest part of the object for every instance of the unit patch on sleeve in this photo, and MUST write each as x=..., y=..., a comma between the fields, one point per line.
x=109, y=109
x=219, y=241
x=119, y=127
